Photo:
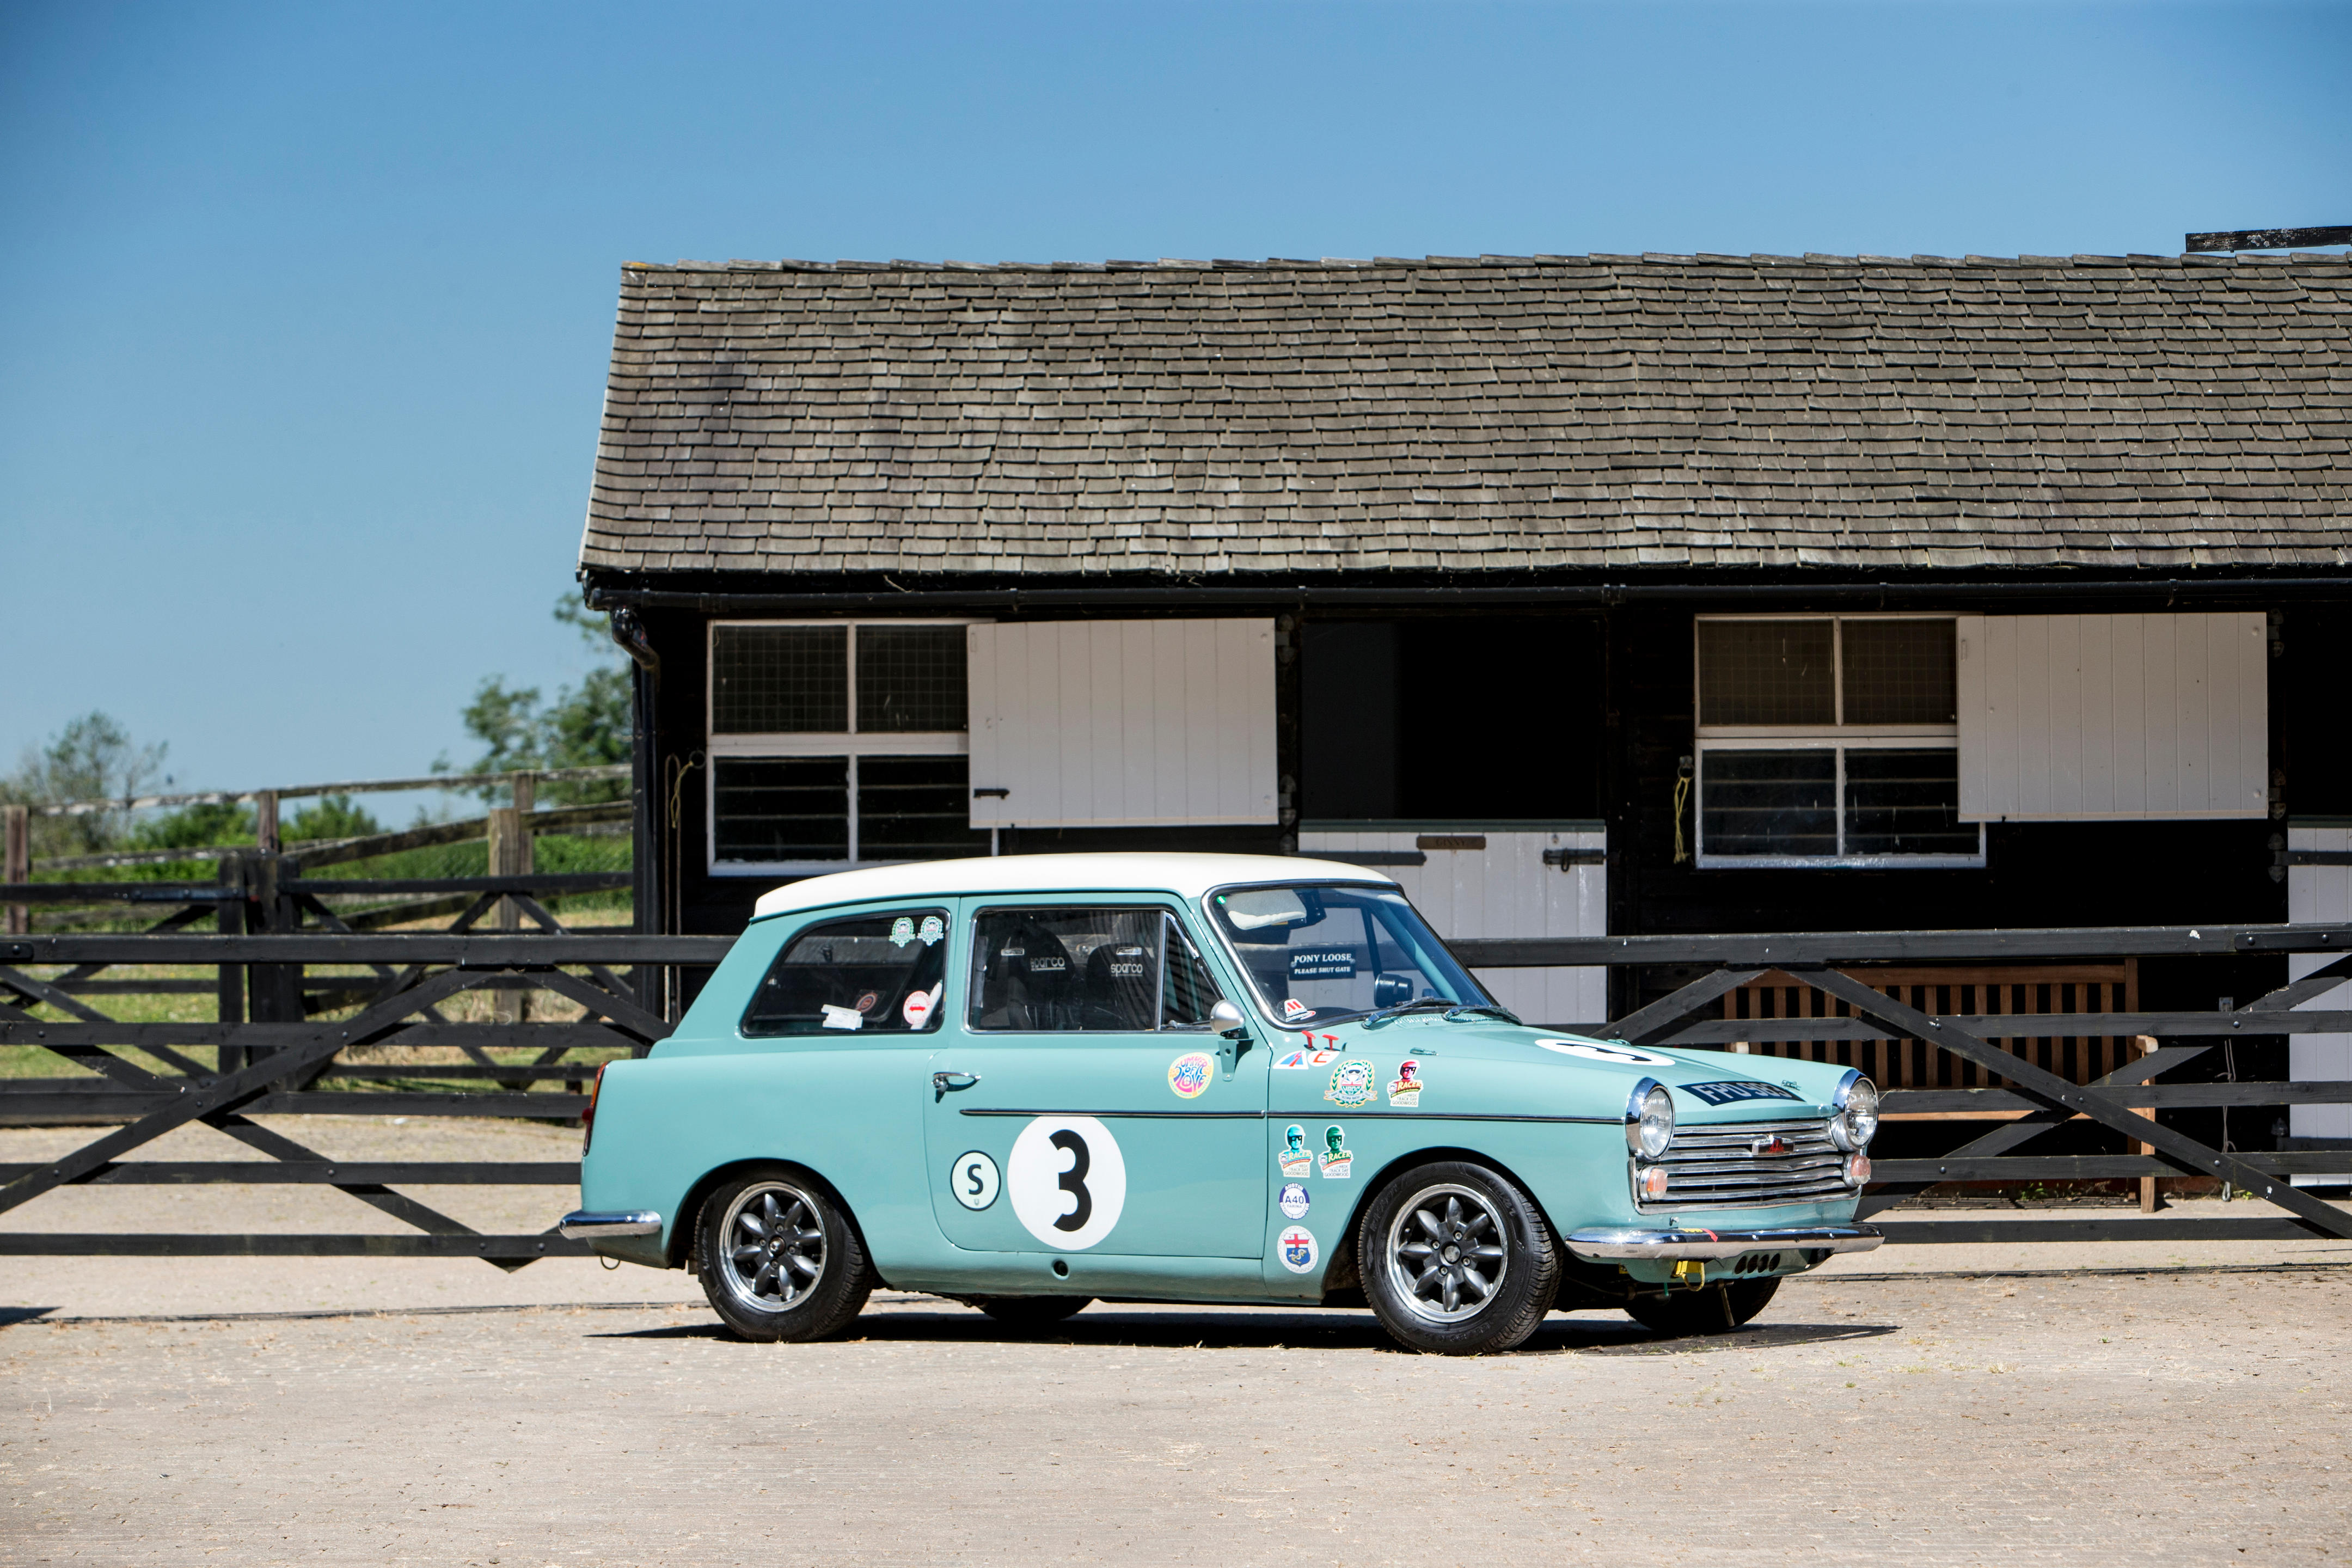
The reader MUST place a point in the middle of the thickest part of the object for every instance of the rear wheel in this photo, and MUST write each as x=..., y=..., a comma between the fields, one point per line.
x=1456, y=1259
x=1711, y=1310
x=779, y=1260
x=1033, y=1311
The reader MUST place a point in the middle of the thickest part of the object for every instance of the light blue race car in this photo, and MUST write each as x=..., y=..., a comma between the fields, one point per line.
x=1031, y=1081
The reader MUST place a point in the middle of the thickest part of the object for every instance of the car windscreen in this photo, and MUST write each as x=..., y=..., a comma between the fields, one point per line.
x=1316, y=952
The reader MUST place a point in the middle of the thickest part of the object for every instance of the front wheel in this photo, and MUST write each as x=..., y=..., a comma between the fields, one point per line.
x=1711, y=1310
x=778, y=1258
x=1456, y=1259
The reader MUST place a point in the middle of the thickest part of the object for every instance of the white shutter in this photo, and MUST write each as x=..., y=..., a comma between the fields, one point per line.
x=1503, y=890
x=1122, y=723
x=2114, y=717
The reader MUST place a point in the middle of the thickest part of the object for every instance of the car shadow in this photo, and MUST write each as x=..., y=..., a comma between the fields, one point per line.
x=1639, y=1340
x=1262, y=1328
x=11, y=1316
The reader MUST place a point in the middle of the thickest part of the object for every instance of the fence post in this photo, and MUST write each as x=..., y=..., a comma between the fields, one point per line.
x=19, y=858
x=2148, y=1201
x=510, y=839
x=229, y=920
x=276, y=988
x=265, y=821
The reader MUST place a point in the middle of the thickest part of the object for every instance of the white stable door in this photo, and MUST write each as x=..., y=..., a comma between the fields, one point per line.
x=1483, y=882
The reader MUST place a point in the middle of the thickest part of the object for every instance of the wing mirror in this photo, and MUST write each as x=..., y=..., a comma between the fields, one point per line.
x=1227, y=1018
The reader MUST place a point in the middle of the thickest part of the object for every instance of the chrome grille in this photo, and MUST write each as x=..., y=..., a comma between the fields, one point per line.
x=1716, y=1167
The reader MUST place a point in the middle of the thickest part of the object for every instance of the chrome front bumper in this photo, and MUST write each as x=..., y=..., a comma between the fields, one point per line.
x=1706, y=1246
x=583, y=1226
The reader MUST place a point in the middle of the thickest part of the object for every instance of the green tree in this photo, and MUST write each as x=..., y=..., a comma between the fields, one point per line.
x=196, y=826
x=329, y=816
x=92, y=758
x=587, y=725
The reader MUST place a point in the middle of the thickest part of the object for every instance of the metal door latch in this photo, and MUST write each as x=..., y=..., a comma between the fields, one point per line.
x=944, y=1081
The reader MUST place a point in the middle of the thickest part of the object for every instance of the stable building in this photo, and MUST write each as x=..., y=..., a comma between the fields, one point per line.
x=1584, y=595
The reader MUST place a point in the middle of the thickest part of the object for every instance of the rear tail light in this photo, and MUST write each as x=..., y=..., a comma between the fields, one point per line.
x=588, y=1114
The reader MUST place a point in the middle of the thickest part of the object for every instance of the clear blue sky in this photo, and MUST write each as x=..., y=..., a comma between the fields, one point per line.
x=305, y=309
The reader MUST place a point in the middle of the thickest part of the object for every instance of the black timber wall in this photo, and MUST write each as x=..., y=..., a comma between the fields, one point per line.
x=1611, y=710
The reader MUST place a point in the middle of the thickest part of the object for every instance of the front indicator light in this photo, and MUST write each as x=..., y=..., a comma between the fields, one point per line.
x=1652, y=1182
x=1857, y=1170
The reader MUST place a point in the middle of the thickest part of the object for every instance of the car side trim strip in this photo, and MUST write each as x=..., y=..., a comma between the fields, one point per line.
x=1289, y=1115
x=1132, y=1115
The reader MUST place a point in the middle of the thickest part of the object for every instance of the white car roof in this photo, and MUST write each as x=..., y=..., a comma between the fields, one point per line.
x=1187, y=876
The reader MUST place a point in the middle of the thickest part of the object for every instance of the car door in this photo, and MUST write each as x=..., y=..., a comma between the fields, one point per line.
x=1079, y=1101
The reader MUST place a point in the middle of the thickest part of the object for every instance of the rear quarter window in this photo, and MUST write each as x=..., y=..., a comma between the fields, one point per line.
x=872, y=975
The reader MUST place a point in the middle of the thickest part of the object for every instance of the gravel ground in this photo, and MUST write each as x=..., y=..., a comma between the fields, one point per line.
x=2137, y=1402
x=2143, y=1418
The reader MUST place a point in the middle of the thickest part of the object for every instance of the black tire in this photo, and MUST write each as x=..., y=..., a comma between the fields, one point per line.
x=1033, y=1311
x=1712, y=1310
x=1502, y=1276
x=793, y=1267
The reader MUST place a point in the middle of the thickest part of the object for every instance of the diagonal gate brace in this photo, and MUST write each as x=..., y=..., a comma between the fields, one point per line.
x=2100, y=1105
x=225, y=1094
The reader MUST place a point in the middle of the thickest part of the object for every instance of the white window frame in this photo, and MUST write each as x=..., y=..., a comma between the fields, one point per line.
x=852, y=743
x=1838, y=738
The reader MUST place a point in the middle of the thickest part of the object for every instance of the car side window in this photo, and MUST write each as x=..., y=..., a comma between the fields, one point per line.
x=879, y=973
x=1086, y=970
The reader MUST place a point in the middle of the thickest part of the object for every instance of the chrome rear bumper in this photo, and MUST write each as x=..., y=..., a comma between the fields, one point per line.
x=1674, y=1245
x=583, y=1225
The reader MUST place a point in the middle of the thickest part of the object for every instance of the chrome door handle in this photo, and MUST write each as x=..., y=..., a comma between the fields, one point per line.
x=944, y=1081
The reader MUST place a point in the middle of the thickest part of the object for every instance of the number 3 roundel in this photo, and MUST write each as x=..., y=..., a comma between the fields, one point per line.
x=1068, y=1180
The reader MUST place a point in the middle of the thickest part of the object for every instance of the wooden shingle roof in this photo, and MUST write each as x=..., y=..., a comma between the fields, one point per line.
x=1603, y=412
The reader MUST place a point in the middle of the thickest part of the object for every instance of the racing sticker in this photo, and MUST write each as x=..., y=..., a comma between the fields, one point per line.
x=933, y=929
x=1322, y=963
x=1404, y=1090
x=1296, y=1158
x=1338, y=1160
x=1307, y=1058
x=973, y=1179
x=1293, y=1200
x=1292, y=1008
x=1730, y=1093
x=1296, y=1248
x=871, y=1000
x=1068, y=1180
x=902, y=930
x=1351, y=1083
x=1189, y=1075
x=917, y=1008
x=1594, y=1051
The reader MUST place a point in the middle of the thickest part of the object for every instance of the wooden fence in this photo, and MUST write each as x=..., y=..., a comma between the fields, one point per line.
x=298, y=1000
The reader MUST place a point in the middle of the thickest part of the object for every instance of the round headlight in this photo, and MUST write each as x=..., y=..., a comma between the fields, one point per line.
x=1855, y=1118
x=1649, y=1119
